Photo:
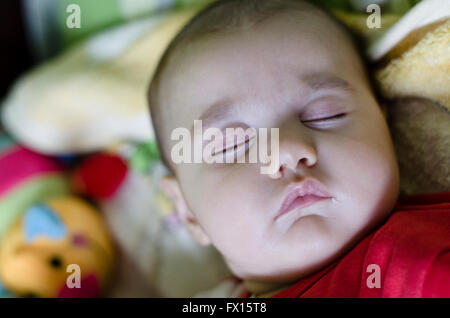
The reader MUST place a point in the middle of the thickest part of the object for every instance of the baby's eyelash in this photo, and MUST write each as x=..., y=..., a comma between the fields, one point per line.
x=337, y=116
x=234, y=147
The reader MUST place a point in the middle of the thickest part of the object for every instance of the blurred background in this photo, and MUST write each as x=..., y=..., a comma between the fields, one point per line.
x=36, y=30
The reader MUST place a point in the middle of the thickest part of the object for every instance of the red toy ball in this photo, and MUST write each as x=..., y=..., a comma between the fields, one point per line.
x=100, y=175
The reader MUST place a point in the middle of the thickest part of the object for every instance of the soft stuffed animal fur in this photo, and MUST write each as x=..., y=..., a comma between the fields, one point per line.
x=413, y=73
x=420, y=129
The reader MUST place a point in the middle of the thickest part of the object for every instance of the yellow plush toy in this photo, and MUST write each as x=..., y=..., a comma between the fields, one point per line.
x=414, y=54
x=59, y=248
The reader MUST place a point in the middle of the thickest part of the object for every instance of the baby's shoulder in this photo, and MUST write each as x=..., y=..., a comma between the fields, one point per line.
x=419, y=226
x=412, y=249
x=417, y=216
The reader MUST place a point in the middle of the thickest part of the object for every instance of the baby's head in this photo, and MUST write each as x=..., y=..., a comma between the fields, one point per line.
x=275, y=64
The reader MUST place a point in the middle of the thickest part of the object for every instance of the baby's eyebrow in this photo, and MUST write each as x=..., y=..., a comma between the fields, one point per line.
x=216, y=112
x=321, y=81
x=316, y=81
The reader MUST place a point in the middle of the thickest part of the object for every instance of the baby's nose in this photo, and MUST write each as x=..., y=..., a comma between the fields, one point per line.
x=296, y=153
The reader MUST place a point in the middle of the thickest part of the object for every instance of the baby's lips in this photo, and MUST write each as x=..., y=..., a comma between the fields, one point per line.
x=302, y=194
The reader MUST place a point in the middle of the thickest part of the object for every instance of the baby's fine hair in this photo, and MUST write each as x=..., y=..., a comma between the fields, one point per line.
x=223, y=16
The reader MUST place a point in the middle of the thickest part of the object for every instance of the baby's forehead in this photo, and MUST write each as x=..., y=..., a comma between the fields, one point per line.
x=209, y=68
x=295, y=25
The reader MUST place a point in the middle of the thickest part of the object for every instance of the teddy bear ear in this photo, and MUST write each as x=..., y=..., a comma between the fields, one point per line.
x=41, y=220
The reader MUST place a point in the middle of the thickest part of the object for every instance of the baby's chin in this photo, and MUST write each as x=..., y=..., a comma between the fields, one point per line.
x=312, y=243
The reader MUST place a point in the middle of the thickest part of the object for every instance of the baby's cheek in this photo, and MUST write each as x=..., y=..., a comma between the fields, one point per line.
x=234, y=233
x=234, y=214
x=364, y=171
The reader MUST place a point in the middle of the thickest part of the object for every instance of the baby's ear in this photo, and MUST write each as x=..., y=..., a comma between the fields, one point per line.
x=171, y=188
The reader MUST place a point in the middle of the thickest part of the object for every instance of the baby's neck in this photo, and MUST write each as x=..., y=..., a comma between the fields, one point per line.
x=264, y=289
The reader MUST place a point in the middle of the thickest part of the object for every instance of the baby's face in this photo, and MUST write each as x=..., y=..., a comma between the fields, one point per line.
x=296, y=75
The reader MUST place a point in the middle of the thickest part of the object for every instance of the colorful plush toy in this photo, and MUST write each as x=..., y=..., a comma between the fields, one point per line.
x=54, y=241
x=100, y=175
x=26, y=177
x=43, y=229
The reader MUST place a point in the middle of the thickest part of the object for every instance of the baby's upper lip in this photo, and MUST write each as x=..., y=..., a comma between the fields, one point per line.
x=310, y=187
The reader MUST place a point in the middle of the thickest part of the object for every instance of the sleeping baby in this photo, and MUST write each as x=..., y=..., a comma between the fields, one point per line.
x=327, y=220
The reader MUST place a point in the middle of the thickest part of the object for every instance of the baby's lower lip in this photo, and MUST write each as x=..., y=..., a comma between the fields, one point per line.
x=301, y=202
